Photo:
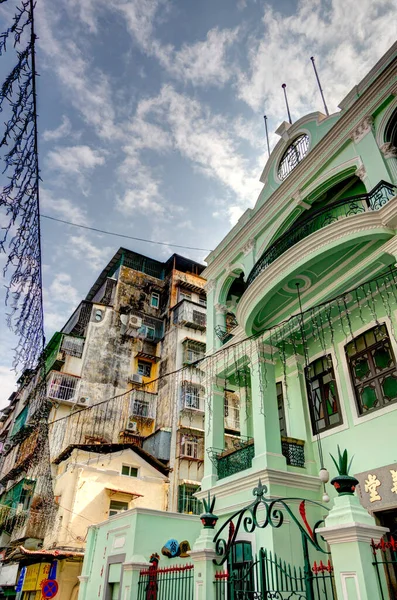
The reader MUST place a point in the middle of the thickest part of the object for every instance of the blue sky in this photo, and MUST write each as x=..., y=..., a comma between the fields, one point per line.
x=151, y=118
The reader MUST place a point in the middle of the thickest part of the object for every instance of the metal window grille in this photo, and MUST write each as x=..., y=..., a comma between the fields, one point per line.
x=189, y=447
x=144, y=368
x=187, y=503
x=73, y=346
x=62, y=387
x=193, y=351
x=141, y=408
x=293, y=156
x=191, y=395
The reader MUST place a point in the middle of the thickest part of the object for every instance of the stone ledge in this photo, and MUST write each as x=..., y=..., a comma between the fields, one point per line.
x=351, y=532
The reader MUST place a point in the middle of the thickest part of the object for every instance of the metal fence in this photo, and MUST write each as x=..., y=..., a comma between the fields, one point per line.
x=271, y=577
x=385, y=563
x=169, y=583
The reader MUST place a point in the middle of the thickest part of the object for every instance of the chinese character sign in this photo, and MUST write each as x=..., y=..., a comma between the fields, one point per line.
x=371, y=487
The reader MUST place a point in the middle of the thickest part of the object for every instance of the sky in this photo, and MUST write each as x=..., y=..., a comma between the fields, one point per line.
x=151, y=120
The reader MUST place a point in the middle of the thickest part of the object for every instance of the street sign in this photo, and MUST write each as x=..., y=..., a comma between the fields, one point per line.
x=49, y=588
x=21, y=579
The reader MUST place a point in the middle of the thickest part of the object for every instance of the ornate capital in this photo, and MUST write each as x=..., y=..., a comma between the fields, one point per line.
x=361, y=173
x=362, y=129
x=249, y=246
x=388, y=150
x=210, y=286
x=221, y=309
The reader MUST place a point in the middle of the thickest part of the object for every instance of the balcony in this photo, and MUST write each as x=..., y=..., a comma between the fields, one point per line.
x=59, y=346
x=63, y=387
x=188, y=314
x=233, y=460
x=320, y=218
x=294, y=451
x=143, y=405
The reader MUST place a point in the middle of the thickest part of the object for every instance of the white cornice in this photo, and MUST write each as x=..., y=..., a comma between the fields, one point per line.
x=351, y=532
x=321, y=154
x=268, y=477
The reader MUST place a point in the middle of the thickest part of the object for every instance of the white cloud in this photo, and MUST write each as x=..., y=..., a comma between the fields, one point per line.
x=74, y=159
x=64, y=129
x=202, y=63
x=62, y=208
x=7, y=384
x=345, y=50
x=62, y=290
x=86, y=87
x=81, y=248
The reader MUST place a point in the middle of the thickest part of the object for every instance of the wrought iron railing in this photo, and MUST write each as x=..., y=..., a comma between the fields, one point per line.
x=385, y=563
x=320, y=218
x=226, y=333
x=233, y=460
x=294, y=451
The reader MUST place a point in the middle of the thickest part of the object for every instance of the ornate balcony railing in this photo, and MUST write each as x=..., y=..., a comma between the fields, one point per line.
x=318, y=219
x=294, y=451
x=234, y=460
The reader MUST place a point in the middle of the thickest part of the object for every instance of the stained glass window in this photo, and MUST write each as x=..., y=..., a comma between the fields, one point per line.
x=373, y=369
x=323, y=395
x=293, y=156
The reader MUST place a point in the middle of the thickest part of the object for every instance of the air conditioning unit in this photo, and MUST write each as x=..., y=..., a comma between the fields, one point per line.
x=136, y=378
x=84, y=400
x=134, y=322
x=132, y=425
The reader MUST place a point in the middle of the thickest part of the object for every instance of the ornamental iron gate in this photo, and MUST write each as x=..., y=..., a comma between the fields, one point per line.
x=267, y=576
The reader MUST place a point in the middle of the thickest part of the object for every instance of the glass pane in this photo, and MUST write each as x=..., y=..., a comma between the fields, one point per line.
x=368, y=398
x=382, y=357
x=361, y=368
x=389, y=386
x=370, y=338
x=334, y=419
x=125, y=470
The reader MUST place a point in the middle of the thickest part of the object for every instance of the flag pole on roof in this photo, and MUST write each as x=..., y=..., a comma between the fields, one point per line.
x=267, y=135
x=319, y=86
x=284, y=86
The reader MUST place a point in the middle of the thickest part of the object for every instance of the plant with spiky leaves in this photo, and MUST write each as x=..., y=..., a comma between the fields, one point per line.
x=342, y=466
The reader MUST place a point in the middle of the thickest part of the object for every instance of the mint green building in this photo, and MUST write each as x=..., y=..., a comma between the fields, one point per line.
x=301, y=358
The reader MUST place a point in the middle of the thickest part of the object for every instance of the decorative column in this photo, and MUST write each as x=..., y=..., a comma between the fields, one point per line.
x=364, y=139
x=214, y=434
x=249, y=255
x=349, y=530
x=265, y=413
x=210, y=294
x=203, y=555
x=298, y=421
x=220, y=321
x=390, y=156
x=83, y=579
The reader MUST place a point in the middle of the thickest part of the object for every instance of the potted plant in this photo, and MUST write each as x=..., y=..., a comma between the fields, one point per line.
x=343, y=483
x=208, y=519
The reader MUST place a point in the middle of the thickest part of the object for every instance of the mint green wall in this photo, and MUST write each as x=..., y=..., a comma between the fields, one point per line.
x=138, y=535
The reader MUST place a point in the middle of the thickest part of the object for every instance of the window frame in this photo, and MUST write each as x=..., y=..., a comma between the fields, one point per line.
x=281, y=409
x=186, y=499
x=155, y=295
x=185, y=295
x=309, y=380
x=130, y=468
x=186, y=393
x=373, y=378
x=186, y=441
x=146, y=363
x=117, y=511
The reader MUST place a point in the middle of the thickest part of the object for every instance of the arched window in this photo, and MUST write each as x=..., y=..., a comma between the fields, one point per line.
x=293, y=155
x=391, y=130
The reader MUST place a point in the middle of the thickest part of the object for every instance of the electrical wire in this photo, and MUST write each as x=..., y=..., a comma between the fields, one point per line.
x=122, y=235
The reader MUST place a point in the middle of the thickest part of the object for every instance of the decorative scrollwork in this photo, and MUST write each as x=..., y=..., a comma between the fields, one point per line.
x=274, y=511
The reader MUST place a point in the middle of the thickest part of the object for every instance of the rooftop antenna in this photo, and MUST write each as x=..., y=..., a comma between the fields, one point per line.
x=284, y=86
x=267, y=135
x=319, y=86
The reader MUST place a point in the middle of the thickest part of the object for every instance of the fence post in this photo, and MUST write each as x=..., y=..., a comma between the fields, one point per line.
x=130, y=580
x=349, y=530
x=203, y=555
